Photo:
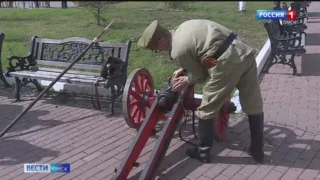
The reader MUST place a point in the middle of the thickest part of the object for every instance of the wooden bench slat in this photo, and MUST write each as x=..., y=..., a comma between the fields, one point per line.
x=69, y=72
x=63, y=64
x=40, y=73
x=67, y=78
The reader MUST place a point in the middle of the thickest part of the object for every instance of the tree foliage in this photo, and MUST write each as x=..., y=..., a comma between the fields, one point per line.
x=97, y=7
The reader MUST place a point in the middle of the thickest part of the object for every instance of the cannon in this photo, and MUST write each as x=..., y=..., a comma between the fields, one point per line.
x=142, y=111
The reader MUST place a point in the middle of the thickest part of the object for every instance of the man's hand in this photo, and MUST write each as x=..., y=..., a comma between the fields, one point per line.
x=180, y=83
x=178, y=73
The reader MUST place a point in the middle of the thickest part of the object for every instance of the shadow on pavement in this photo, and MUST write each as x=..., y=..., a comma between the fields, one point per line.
x=28, y=94
x=80, y=101
x=313, y=14
x=18, y=151
x=310, y=64
x=309, y=22
x=8, y=112
x=312, y=39
x=29, y=120
x=280, y=150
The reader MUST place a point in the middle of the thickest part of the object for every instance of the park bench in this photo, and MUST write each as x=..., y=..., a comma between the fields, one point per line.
x=300, y=24
x=2, y=77
x=285, y=46
x=49, y=57
x=288, y=27
x=301, y=8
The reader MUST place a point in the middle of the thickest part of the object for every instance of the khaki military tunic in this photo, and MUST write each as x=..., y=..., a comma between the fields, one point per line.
x=192, y=42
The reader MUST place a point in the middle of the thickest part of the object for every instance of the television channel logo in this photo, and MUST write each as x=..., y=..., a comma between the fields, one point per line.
x=289, y=15
x=47, y=168
x=59, y=168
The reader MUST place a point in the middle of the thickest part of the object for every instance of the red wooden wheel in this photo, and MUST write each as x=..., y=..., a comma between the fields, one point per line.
x=137, y=97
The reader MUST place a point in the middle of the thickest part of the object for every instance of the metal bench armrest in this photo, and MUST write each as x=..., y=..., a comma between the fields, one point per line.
x=292, y=30
x=20, y=62
x=290, y=39
x=298, y=22
x=291, y=42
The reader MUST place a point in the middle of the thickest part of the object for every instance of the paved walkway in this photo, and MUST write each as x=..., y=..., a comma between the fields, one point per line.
x=64, y=129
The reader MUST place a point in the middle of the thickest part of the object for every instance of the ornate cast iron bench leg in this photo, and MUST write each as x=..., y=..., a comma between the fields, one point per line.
x=113, y=100
x=293, y=65
x=19, y=83
x=36, y=83
x=17, y=88
x=5, y=82
x=115, y=94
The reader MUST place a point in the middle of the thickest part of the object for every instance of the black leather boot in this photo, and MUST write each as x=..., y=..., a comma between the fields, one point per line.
x=255, y=150
x=202, y=151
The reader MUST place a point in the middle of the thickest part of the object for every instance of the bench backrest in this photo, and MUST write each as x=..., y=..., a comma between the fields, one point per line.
x=60, y=53
x=296, y=6
x=1, y=42
x=299, y=6
x=274, y=31
x=273, y=28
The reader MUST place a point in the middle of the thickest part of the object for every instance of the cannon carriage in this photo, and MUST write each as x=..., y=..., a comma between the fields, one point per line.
x=143, y=107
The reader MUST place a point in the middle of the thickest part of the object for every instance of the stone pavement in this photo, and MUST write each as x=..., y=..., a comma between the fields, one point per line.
x=65, y=129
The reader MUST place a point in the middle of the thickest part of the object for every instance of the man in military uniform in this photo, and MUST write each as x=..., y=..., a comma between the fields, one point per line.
x=212, y=54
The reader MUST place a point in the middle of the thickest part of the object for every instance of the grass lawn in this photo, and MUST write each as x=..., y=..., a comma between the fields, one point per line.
x=19, y=25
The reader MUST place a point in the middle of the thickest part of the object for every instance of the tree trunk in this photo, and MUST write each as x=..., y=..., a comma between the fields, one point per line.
x=36, y=3
x=47, y=4
x=276, y=5
x=98, y=16
x=10, y=4
x=64, y=4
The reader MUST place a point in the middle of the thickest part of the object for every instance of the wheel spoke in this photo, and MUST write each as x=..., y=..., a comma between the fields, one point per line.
x=133, y=103
x=141, y=83
x=134, y=112
x=138, y=117
x=137, y=86
x=135, y=95
x=145, y=85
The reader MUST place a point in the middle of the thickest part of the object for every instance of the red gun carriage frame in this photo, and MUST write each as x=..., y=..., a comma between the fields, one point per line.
x=142, y=112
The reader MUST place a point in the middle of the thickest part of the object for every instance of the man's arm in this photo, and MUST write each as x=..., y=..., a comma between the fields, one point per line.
x=197, y=74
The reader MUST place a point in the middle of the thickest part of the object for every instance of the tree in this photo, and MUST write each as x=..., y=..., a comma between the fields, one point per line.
x=47, y=4
x=64, y=4
x=36, y=4
x=97, y=7
x=10, y=4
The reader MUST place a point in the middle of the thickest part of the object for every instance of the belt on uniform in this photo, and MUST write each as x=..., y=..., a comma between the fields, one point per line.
x=225, y=45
